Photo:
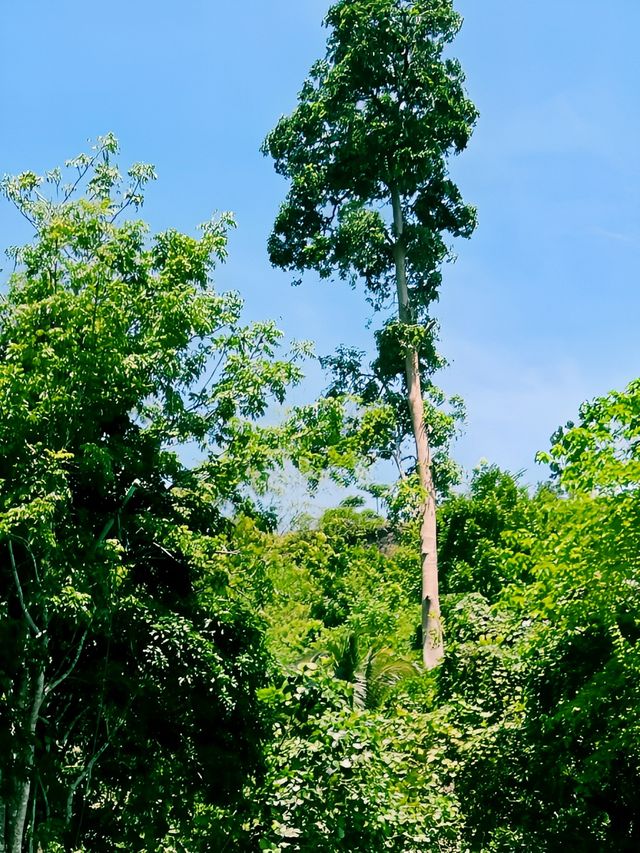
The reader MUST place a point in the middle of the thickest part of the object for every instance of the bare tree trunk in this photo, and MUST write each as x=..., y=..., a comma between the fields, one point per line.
x=23, y=788
x=432, y=643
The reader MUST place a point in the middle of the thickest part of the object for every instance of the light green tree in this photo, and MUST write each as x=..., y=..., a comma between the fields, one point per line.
x=128, y=664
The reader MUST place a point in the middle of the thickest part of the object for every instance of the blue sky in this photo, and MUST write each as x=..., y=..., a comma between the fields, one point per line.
x=541, y=309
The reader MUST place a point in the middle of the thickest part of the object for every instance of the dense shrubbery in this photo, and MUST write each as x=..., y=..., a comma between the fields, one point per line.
x=526, y=737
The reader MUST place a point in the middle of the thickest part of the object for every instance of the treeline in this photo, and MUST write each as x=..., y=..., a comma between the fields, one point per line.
x=458, y=671
x=176, y=675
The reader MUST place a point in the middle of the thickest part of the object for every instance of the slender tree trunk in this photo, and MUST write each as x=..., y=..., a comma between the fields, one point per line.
x=18, y=812
x=432, y=644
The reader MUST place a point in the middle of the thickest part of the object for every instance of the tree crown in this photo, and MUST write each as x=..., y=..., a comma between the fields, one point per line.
x=380, y=114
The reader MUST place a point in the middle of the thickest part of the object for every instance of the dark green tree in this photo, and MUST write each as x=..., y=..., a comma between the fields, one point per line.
x=366, y=152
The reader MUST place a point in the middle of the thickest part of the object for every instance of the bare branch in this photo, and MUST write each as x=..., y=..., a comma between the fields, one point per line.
x=27, y=615
x=81, y=173
x=70, y=669
x=85, y=773
x=129, y=201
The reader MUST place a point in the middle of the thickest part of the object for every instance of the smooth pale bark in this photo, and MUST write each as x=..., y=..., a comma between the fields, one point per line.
x=23, y=792
x=432, y=643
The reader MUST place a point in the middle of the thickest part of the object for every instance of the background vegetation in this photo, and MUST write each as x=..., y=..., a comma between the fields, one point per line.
x=179, y=674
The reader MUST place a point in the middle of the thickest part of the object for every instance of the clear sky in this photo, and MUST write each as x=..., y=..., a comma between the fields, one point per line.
x=541, y=309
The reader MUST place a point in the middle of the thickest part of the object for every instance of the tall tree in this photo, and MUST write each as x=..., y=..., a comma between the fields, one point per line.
x=366, y=153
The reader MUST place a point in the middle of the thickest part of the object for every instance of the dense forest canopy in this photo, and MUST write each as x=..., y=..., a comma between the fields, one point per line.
x=178, y=672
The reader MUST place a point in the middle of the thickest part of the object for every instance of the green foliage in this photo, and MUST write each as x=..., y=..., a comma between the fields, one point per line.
x=345, y=577
x=129, y=662
x=601, y=453
x=542, y=674
x=174, y=673
x=471, y=547
x=373, y=674
x=383, y=110
x=383, y=418
x=343, y=779
x=347, y=767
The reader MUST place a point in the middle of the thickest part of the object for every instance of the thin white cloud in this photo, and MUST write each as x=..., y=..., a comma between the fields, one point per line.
x=617, y=236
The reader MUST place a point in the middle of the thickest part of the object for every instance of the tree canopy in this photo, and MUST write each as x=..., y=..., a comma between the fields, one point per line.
x=381, y=113
x=179, y=669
